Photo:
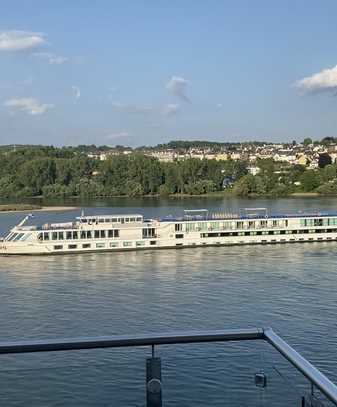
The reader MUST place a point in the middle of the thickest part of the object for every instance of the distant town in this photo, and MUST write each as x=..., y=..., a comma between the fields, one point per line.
x=173, y=169
x=306, y=153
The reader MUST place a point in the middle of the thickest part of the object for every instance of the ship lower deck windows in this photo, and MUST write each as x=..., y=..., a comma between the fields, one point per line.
x=100, y=245
x=140, y=243
x=178, y=227
x=179, y=236
x=58, y=247
x=127, y=244
x=86, y=246
x=153, y=242
x=114, y=244
x=72, y=246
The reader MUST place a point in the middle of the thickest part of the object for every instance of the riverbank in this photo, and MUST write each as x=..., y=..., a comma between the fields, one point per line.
x=34, y=208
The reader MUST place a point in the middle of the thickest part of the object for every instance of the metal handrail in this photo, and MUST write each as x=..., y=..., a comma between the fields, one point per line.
x=328, y=388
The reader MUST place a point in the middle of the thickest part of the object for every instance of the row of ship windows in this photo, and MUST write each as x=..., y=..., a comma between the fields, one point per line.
x=203, y=226
x=95, y=221
x=270, y=232
x=103, y=245
x=319, y=222
x=74, y=235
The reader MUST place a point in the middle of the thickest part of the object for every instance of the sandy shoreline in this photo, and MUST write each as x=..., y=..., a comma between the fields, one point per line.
x=43, y=209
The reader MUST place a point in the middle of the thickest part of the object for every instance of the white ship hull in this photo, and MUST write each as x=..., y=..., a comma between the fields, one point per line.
x=131, y=232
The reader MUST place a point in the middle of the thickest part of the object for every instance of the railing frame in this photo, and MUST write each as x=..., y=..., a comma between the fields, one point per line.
x=328, y=388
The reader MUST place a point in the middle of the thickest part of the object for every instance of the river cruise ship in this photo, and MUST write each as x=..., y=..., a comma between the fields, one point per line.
x=194, y=228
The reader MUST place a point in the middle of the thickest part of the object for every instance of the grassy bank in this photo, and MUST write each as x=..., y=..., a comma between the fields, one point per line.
x=34, y=208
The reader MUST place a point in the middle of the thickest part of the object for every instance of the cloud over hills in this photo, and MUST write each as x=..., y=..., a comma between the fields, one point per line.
x=29, y=105
x=20, y=40
x=177, y=87
x=323, y=81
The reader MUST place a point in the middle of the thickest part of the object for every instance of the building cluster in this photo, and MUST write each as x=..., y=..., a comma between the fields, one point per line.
x=306, y=155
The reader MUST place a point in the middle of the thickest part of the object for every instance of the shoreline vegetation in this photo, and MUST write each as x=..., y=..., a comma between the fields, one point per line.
x=67, y=172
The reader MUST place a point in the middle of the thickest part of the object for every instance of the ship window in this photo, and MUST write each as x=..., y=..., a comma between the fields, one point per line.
x=83, y=234
x=127, y=244
x=127, y=220
x=84, y=220
x=60, y=235
x=140, y=243
x=263, y=223
x=113, y=244
x=72, y=246
x=275, y=223
x=100, y=245
x=26, y=236
x=107, y=220
x=18, y=237
x=178, y=227
x=102, y=234
x=139, y=219
x=114, y=220
x=286, y=223
x=58, y=247
x=239, y=225
x=96, y=234
x=110, y=233
x=153, y=242
x=69, y=235
x=54, y=236
x=179, y=236
x=149, y=232
x=45, y=236
x=116, y=233
x=89, y=235
x=86, y=245
x=251, y=224
x=75, y=235
x=101, y=220
x=318, y=222
x=132, y=219
x=39, y=237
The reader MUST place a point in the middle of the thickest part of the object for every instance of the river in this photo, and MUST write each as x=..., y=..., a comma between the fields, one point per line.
x=291, y=288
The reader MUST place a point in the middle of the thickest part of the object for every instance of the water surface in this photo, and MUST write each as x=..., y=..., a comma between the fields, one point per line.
x=289, y=287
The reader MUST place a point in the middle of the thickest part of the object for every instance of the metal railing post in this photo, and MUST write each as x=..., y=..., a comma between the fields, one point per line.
x=153, y=381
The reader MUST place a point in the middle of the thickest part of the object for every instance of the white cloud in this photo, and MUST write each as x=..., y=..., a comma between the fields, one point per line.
x=77, y=92
x=51, y=58
x=177, y=87
x=132, y=109
x=28, y=105
x=20, y=40
x=325, y=80
x=170, y=110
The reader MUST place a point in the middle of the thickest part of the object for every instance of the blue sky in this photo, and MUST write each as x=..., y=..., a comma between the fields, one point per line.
x=145, y=72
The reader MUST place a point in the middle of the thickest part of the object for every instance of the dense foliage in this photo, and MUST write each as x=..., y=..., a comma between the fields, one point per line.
x=65, y=172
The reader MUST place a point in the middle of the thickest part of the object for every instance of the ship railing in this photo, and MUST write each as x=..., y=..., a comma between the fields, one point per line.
x=319, y=392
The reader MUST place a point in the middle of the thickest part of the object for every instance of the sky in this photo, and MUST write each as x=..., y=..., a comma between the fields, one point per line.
x=143, y=72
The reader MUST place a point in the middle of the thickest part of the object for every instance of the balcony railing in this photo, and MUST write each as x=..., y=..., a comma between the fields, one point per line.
x=154, y=383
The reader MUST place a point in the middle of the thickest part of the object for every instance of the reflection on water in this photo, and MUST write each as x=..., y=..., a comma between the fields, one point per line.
x=289, y=287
